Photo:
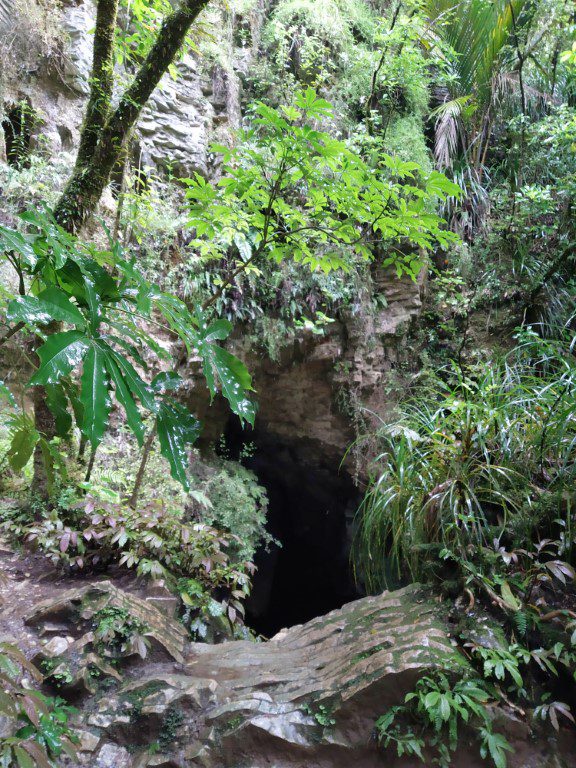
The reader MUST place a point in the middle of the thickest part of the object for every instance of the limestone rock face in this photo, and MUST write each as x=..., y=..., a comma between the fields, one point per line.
x=307, y=698
x=312, y=692
x=182, y=118
x=306, y=398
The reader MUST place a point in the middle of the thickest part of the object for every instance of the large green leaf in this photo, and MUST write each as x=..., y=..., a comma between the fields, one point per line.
x=60, y=306
x=177, y=428
x=24, y=440
x=58, y=405
x=51, y=304
x=94, y=395
x=60, y=353
x=124, y=397
x=222, y=368
x=138, y=387
x=11, y=240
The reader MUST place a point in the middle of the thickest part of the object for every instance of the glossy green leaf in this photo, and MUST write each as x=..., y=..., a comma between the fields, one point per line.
x=138, y=387
x=177, y=429
x=59, y=355
x=51, y=304
x=12, y=240
x=22, y=447
x=60, y=307
x=58, y=405
x=94, y=395
x=124, y=397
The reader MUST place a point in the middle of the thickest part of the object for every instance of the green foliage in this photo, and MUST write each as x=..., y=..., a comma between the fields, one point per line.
x=136, y=35
x=290, y=191
x=72, y=286
x=431, y=715
x=459, y=467
x=118, y=633
x=38, y=730
x=238, y=504
x=311, y=39
x=196, y=560
x=322, y=713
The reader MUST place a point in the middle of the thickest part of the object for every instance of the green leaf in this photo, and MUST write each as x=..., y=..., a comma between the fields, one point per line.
x=23, y=758
x=94, y=395
x=138, y=388
x=58, y=405
x=11, y=240
x=22, y=447
x=177, y=428
x=60, y=306
x=28, y=309
x=508, y=597
x=58, y=356
x=124, y=397
x=51, y=304
x=232, y=374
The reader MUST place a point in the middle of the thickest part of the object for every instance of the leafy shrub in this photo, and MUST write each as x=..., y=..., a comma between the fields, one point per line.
x=38, y=724
x=117, y=632
x=238, y=505
x=466, y=464
x=431, y=715
x=155, y=540
x=104, y=309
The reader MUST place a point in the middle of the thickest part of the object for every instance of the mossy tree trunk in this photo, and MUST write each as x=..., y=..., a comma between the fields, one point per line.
x=104, y=141
x=103, y=136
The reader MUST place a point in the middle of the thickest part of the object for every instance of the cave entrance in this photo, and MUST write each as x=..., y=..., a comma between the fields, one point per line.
x=310, y=514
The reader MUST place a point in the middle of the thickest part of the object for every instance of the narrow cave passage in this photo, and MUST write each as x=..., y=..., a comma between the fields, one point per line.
x=310, y=513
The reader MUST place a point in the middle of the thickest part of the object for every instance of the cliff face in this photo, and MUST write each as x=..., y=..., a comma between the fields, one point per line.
x=308, y=698
x=309, y=398
x=48, y=66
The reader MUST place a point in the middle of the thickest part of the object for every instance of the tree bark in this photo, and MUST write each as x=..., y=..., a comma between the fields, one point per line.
x=86, y=185
x=101, y=81
x=103, y=136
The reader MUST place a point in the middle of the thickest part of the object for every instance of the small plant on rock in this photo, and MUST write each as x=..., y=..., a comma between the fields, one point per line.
x=117, y=633
x=431, y=715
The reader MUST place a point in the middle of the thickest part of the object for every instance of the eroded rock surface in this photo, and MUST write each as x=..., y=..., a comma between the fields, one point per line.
x=307, y=698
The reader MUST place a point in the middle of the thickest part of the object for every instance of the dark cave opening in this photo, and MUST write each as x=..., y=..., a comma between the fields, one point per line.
x=310, y=513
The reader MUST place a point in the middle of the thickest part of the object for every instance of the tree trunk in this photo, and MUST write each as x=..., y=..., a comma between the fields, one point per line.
x=103, y=136
x=89, y=178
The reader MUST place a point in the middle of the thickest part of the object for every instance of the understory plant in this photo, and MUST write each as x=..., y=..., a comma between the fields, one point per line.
x=474, y=457
x=37, y=732
x=89, y=308
x=156, y=541
x=474, y=493
x=427, y=724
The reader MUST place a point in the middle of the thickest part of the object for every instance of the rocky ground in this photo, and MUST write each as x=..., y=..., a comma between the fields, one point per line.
x=307, y=698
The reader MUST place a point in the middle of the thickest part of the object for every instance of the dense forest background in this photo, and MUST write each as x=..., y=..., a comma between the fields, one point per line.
x=288, y=319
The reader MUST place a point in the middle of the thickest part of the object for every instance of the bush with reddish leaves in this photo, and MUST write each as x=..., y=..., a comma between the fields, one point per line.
x=154, y=540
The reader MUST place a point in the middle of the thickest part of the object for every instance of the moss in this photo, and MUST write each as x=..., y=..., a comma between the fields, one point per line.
x=405, y=138
x=171, y=724
x=137, y=697
x=371, y=651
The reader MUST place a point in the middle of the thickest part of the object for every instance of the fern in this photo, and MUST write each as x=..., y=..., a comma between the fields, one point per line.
x=521, y=622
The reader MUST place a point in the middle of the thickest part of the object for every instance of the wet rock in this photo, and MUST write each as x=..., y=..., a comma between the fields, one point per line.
x=112, y=756
x=56, y=646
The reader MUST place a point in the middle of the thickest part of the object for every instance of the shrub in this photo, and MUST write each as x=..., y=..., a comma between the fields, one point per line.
x=38, y=724
x=155, y=540
x=468, y=461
